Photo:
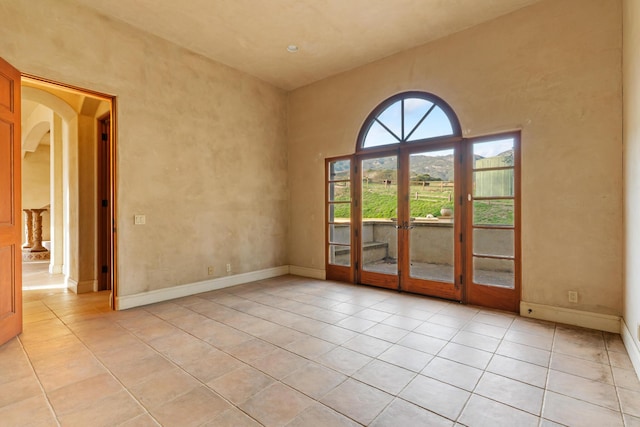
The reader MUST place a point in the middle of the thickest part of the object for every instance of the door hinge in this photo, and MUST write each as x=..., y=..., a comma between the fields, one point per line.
x=356, y=232
x=460, y=201
x=356, y=265
x=461, y=279
x=460, y=237
x=104, y=136
x=105, y=203
x=105, y=268
x=355, y=168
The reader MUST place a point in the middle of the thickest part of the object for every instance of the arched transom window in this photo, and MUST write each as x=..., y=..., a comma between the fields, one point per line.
x=408, y=117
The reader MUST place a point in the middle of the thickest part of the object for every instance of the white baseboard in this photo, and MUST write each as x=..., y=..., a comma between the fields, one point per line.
x=312, y=273
x=586, y=319
x=631, y=345
x=80, y=287
x=129, y=301
x=71, y=284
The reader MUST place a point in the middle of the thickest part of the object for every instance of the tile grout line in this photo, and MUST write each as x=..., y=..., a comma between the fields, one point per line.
x=35, y=373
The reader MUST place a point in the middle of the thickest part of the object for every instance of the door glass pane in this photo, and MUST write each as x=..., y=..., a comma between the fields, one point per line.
x=494, y=272
x=493, y=183
x=340, y=233
x=493, y=154
x=379, y=235
x=340, y=255
x=431, y=207
x=339, y=212
x=339, y=191
x=493, y=212
x=493, y=241
x=340, y=170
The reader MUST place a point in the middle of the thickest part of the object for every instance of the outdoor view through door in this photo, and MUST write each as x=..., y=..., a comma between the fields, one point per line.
x=421, y=209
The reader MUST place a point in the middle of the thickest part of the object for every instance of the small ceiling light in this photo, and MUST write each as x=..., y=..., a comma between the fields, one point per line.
x=292, y=48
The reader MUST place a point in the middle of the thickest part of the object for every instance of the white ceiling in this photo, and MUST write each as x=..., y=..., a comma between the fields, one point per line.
x=333, y=35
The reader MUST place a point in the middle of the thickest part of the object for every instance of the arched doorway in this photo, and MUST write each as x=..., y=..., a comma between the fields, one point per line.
x=419, y=208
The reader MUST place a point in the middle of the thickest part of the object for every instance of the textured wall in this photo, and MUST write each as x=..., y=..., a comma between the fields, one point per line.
x=553, y=70
x=201, y=147
x=631, y=73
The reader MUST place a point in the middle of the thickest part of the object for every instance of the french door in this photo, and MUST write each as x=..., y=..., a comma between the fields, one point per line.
x=408, y=221
x=434, y=219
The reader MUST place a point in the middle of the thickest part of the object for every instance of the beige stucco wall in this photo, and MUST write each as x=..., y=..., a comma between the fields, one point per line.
x=201, y=147
x=552, y=70
x=35, y=184
x=631, y=120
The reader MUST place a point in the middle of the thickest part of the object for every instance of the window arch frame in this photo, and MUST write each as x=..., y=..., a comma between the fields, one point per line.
x=430, y=97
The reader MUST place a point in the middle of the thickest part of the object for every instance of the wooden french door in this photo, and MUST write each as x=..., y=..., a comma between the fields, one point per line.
x=434, y=219
x=10, y=204
x=492, y=221
x=408, y=222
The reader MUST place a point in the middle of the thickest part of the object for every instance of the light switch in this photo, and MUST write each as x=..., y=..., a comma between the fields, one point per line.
x=139, y=219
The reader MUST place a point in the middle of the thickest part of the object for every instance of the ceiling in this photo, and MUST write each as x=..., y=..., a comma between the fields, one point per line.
x=332, y=35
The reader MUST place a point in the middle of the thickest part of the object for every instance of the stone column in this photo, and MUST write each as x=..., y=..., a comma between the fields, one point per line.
x=28, y=229
x=37, y=231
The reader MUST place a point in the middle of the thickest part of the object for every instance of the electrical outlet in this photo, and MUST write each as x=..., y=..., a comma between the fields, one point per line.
x=228, y=268
x=210, y=271
x=573, y=296
x=139, y=219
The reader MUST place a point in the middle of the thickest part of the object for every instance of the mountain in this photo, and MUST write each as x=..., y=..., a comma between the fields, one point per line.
x=438, y=167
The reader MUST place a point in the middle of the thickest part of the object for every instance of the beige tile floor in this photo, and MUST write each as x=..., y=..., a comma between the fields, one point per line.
x=301, y=352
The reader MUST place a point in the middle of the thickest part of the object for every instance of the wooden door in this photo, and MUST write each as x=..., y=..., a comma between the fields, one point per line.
x=431, y=243
x=493, y=221
x=10, y=204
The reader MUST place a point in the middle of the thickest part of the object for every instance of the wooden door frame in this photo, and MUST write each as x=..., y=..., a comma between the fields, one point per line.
x=333, y=271
x=112, y=166
x=103, y=238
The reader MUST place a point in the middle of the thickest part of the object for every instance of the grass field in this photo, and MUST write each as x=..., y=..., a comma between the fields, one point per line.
x=379, y=201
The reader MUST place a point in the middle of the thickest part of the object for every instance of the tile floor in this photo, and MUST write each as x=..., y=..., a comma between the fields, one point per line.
x=300, y=352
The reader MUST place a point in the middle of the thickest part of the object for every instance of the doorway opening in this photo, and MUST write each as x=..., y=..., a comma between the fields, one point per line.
x=68, y=189
x=419, y=208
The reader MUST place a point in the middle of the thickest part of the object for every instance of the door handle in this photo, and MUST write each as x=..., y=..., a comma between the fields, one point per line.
x=404, y=226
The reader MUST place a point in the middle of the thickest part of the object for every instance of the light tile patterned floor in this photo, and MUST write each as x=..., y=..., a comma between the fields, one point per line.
x=301, y=352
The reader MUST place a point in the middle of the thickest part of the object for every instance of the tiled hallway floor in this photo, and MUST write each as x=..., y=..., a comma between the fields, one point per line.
x=300, y=352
